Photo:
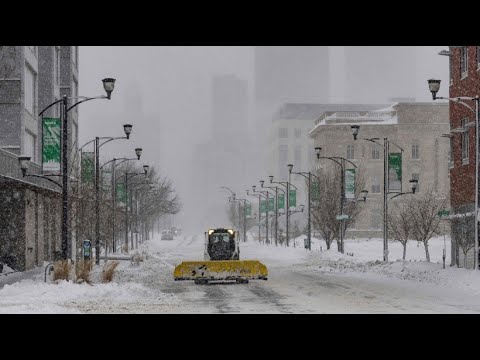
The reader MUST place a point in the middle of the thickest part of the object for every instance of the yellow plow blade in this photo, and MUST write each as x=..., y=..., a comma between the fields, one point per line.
x=221, y=270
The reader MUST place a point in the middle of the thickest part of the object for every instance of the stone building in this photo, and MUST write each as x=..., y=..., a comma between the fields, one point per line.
x=416, y=127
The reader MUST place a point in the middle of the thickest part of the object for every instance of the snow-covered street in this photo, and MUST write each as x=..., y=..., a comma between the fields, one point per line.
x=299, y=282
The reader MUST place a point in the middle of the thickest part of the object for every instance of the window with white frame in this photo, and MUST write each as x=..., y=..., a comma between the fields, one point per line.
x=416, y=176
x=350, y=152
x=297, y=133
x=75, y=55
x=297, y=156
x=478, y=57
x=464, y=61
x=375, y=185
x=30, y=145
x=375, y=151
x=415, y=151
x=376, y=219
x=282, y=157
x=74, y=136
x=56, y=62
x=75, y=92
x=451, y=163
x=450, y=68
x=465, y=142
x=30, y=89
x=283, y=133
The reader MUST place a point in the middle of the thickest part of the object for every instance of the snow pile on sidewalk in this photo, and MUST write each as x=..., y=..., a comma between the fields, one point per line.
x=30, y=296
x=420, y=271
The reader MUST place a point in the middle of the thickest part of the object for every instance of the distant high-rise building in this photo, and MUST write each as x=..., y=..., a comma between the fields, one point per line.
x=221, y=160
x=286, y=74
x=374, y=74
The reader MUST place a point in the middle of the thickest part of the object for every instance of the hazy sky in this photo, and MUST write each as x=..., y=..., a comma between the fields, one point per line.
x=165, y=93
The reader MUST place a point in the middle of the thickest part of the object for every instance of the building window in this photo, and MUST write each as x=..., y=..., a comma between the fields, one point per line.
x=416, y=176
x=375, y=185
x=298, y=157
x=450, y=68
x=464, y=61
x=75, y=56
x=465, y=142
x=376, y=220
x=283, y=133
x=57, y=65
x=30, y=145
x=297, y=132
x=478, y=57
x=30, y=89
x=75, y=92
x=451, y=163
x=74, y=137
x=283, y=154
x=34, y=49
x=350, y=152
x=415, y=151
x=375, y=152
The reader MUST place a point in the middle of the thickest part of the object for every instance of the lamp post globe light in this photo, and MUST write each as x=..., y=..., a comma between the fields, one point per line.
x=138, y=152
x=108, y=86
x=127, y=128
x=434, y=87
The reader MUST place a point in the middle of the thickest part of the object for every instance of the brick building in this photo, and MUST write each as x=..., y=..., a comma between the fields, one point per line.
x=464, y=81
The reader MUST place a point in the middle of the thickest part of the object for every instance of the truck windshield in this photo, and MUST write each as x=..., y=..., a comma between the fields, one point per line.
x=220, y=237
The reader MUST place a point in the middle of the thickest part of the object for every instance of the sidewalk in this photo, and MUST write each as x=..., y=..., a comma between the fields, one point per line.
x=7, y=278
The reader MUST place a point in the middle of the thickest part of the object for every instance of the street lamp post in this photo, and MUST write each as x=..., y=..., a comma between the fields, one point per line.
x=386, y=152
x=308, y=176
x=287, y=195
x=108, y=85
x=341, y=163
x=138, y=152
x=268, y=200
x=266, y=217
x=132, y=175
x=127, y=128
x=434, y=87
x=276, y=206
x=259, y=196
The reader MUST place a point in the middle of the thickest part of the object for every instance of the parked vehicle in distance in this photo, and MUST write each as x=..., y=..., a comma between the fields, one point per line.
x=167, y=235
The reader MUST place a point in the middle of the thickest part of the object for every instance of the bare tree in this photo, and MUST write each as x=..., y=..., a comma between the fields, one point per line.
x=400, y=223
x=326, y=192
x=465, y=227
x=425, y=220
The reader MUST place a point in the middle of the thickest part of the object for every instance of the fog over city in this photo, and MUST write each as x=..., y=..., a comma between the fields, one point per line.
x=202, y=114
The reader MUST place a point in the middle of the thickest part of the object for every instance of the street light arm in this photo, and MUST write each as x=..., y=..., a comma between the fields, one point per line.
x=399, y=194
x=329, y=158
x=111, y=139
x=458, y=101
x=86, y=144
x=342, y=158
x=124, y=160
x=85, y=99
x=46, y=178
x=301, y=173
x=227, y=188
x=49, y=106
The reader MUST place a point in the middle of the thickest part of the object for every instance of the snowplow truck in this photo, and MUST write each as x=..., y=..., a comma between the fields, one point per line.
x=221, y=261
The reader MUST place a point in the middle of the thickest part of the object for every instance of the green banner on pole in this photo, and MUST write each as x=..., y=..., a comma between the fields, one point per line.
x=395, y=172
x=315, y=191
x=350, y=183
x=271, y=204
x=281, y=201
x=248, y=209
x=88, y=167
x=292, y=199
x=263, y=206
x=51, y=148
x=121, y=194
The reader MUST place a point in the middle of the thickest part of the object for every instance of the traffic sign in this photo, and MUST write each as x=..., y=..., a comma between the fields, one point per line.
x=342, y=217
x=443, y=213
